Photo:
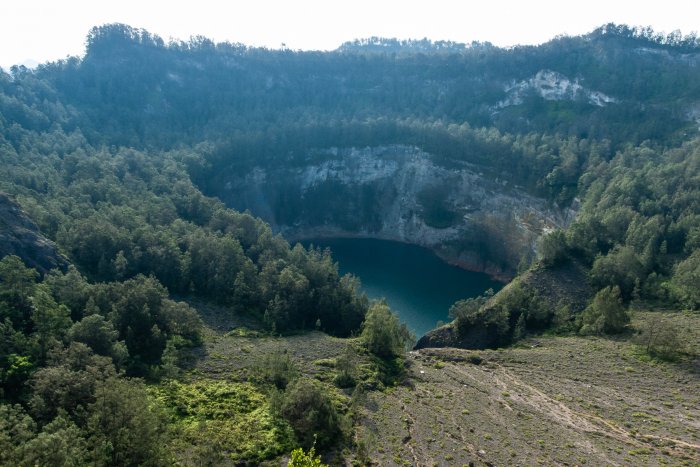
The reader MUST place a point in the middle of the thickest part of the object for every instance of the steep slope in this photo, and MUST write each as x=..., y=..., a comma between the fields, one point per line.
x=20, y=236
x=399, y=193
x=541, y=295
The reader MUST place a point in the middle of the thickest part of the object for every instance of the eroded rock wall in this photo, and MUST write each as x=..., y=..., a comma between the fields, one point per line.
x=469, y=218
x=20, y=236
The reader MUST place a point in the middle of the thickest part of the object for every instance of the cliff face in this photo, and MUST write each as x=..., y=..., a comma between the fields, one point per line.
x=469, y=218
x=20, y=236
x=552, y=86
x=565, y=285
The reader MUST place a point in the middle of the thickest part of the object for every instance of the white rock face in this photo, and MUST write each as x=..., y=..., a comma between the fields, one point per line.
x=552, y=86
x=693, y=113
x=384, y=188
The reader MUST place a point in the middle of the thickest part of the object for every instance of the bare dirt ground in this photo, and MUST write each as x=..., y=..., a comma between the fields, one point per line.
x=549, y=401
x=561, y=401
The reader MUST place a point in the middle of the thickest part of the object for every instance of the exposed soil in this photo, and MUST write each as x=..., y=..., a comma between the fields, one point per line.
x=563, y=401
x=549, y=401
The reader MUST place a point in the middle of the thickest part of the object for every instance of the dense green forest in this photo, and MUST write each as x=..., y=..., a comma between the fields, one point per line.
x=117, y=157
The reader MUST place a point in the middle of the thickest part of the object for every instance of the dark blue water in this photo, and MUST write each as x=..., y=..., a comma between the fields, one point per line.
x=418, y=285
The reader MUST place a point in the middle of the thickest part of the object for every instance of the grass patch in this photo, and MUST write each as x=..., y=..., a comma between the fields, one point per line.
x=219, y=421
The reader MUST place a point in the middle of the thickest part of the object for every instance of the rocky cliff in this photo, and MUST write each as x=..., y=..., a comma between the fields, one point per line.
x=541, y=292
x=20, y=236
x=469, y=218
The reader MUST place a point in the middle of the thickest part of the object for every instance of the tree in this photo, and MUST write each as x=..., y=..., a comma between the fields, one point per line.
x=621, y=268
x=68, y=382
x=660, y=338
x=606, y=314
x=345, y=364
x=17, y=370
x=382, y=332
x=70, y=289
x=468, y=312
x=99, y=334
x=51, y=320
x=60, y=443
x=311, y=413
x=553, y=248
x=145, y=318
x=685, y=283
x=17, y=284
x=16, y=429
x=125, y=429
x=279, y=369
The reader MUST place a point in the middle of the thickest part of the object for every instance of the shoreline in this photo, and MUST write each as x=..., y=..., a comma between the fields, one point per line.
x=494, y=273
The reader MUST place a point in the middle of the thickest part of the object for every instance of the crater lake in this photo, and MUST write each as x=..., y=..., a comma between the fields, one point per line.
x=418, y=286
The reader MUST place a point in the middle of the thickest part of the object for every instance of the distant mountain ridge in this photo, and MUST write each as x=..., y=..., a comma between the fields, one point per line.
x=147, y=92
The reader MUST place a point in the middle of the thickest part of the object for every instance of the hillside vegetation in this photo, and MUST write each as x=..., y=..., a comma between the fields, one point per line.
x=176, y=329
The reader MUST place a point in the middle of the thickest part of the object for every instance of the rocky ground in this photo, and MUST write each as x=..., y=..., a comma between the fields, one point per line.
x=554, y=401
x=549, y=401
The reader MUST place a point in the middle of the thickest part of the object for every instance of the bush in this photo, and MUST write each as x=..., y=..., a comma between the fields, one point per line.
x=310, y=412
x=553, y=249
x=685, y=283
x=660, y=339
x=279, y=369
x=606, y=313
x=382, y=332
x=299, y=458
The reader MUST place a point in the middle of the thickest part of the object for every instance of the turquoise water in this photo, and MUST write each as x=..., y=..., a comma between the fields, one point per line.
x=418, y=285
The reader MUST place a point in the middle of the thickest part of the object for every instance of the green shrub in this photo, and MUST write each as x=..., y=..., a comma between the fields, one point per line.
x=221, y=422
x=279, y=369
x=310, y=412
x=299, y=458
x=606, y=314
x=382, y=332
x=553, y=249
x=660, y=339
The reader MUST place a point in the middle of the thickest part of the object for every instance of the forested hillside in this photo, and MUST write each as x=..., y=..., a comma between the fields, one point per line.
x=119, y=157
x=134, y=89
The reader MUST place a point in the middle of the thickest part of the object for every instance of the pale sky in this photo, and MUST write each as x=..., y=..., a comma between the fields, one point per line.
x=44, y=30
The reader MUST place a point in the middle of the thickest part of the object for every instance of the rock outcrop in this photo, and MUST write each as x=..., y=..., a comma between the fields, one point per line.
x=553, y=289
x=552, y=86
x=20, y=236
x=474, y=220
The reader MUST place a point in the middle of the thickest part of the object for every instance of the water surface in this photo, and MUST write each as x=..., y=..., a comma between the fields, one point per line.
x=418, y=285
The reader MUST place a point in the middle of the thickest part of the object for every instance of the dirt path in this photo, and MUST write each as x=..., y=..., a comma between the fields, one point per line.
x=582, y=422
x=524, y=413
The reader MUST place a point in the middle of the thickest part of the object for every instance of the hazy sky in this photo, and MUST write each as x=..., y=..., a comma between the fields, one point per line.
x=44, y=30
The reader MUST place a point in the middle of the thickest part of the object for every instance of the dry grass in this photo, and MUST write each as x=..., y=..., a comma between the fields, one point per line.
x=552, y=401
x=549, y=401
